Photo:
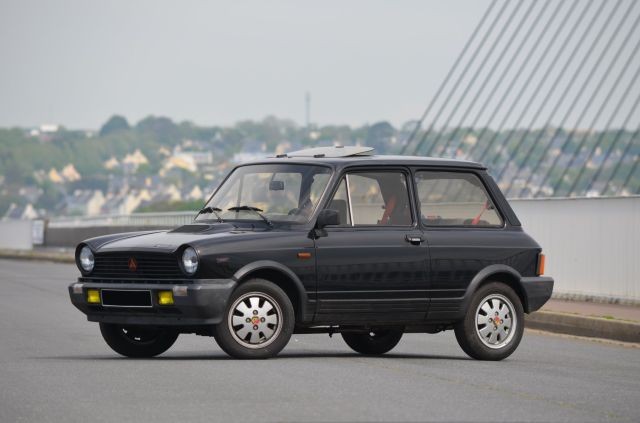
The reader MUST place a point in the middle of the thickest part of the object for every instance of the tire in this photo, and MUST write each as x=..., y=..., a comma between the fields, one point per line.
x=478, y=334
x=138, y=341
x=375, y=342
x=258, y=321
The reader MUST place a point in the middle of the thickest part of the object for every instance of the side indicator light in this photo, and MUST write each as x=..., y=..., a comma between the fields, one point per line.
x=304, y=256
x=77, y=288
x=93, y=296
x=541, y=260
x=165, y=297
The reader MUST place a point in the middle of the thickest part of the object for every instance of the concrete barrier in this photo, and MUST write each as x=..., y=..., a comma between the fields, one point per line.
x=16, y=234
x=592, y=245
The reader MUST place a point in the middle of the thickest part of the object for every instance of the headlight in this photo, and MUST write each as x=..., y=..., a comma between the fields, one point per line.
x=87, y=261
x=190, y=261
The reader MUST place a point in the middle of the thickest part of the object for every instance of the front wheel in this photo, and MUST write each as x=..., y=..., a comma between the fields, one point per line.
x=374, y=342
x=493, y=325
x=138, y=341
x=258, y=322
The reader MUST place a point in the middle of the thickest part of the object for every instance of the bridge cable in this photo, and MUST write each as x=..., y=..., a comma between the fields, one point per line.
x=504, y=74
x=584, y=111
x=490, y=73
x=633, y=169
x=447, y=77
x=461, y=76
x=543, y=80
x=618, y=136
x=472, y=81
x=613, y=174
x=470, y=154
x=512, y=156
x=613, y=115
x=563, y=95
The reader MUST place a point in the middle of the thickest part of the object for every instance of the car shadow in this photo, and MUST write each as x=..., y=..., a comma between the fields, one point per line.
x=281, y=356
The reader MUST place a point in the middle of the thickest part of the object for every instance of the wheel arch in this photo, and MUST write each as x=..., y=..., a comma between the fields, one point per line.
x=280, y=275
x=496, y=273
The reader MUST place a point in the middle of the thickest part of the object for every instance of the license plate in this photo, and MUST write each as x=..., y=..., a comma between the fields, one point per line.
x=126, y=298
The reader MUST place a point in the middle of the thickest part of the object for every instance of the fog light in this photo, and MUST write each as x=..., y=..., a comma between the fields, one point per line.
x=93, y=296
x=165, y=298
x=77, y=288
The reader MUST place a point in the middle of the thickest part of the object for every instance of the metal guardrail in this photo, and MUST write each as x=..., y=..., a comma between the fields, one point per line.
x=166, y=219
x=172, y=219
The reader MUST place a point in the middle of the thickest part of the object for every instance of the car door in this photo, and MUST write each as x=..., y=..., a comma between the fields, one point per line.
x=373, y=266
x=464, y=231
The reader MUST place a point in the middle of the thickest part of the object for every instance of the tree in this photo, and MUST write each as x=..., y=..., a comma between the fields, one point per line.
x=379, y=136
x=114, y=124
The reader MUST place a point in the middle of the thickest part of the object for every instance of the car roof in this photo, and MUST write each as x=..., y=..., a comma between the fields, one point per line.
x=348, y=156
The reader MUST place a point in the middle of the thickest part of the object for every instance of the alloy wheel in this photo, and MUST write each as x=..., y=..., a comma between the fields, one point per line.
x=255, y=320
x=495, y=321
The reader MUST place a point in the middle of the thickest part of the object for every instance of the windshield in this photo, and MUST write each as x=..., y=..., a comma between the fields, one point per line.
x=278, y=192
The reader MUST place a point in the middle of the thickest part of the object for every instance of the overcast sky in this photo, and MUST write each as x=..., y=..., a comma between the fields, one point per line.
x=77, y=62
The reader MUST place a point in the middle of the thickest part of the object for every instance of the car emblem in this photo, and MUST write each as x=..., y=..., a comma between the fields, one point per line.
x=133, y=264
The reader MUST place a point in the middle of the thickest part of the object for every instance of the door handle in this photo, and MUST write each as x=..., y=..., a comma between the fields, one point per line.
x=414, y=239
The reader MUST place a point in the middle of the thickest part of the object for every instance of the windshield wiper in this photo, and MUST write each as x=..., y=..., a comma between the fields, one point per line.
x=253, y=209
x=213, y=210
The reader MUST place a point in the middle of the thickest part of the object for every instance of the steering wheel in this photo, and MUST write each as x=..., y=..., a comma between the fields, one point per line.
x=306, y=207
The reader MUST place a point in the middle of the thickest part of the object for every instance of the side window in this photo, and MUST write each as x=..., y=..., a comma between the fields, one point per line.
x=373, y=198
x=455, y=199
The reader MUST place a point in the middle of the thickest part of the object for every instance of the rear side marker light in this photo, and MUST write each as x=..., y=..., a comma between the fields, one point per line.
x=93, y=296
x=541, y=260
x=165, y=298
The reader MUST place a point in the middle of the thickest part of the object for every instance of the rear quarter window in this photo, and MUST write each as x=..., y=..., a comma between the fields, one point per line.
x=455, y=199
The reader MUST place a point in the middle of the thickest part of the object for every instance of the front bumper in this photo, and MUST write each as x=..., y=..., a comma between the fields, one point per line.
x=203, y=304
x=537, y=290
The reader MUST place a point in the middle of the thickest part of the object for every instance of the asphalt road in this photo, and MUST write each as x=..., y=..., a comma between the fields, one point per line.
x=54, y=366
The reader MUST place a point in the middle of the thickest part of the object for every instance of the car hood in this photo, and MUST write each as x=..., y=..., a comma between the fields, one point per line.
x=169, y=241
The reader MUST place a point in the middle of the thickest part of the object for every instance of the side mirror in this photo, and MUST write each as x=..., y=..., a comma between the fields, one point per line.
x=327, y=217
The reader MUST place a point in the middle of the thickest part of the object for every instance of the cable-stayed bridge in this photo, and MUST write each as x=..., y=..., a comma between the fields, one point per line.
x=546, y=94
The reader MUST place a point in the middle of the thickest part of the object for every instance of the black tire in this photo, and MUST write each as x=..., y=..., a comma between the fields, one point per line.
x=470, y=334
x=374, y=342
x=138, y=341
x=268, y=335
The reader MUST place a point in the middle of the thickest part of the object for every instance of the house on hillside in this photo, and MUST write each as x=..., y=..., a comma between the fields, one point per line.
x=85, y=203
x=194, y=193
x=16, y=212
x=70, y=174
x=132, y=161
x=125, y=203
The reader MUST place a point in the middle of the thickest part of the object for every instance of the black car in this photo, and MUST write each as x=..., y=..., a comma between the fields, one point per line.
x=325, y=240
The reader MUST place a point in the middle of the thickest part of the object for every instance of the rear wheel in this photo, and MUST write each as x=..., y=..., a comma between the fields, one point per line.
x=138, y=341
x=374, y=342
x=493, y=325
x=258, y=322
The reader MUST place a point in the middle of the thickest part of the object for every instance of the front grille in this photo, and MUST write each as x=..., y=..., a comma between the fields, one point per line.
x=147, y=266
